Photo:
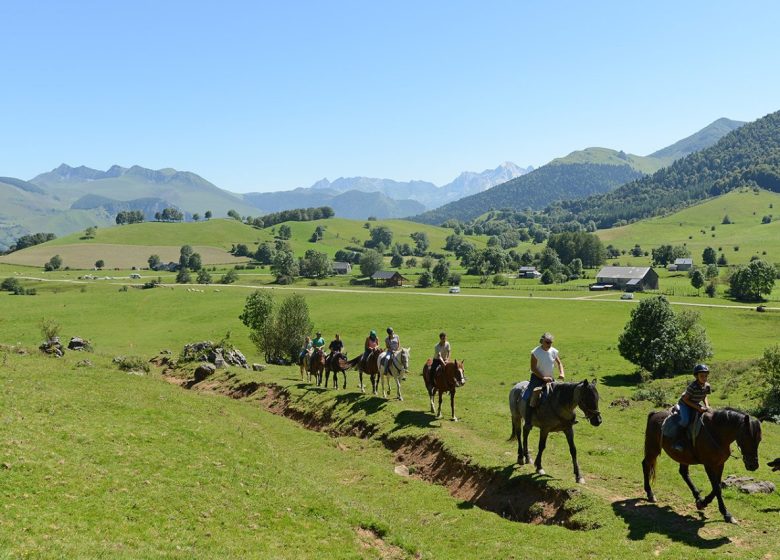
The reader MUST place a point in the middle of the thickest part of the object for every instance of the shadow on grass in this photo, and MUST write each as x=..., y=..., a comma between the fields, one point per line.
x=358, y=402
x=644, y=517
x=620, y=380
x=417, y=418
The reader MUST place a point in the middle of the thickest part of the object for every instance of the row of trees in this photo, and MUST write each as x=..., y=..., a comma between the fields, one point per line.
x=129, y=217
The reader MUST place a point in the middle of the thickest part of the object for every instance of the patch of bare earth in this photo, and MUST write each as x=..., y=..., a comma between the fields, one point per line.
x=515, y=499
x=371, y=540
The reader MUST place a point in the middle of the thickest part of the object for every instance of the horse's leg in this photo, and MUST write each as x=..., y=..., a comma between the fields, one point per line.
x=652, y=451
x=441, y=396
x=431, y=394
x=398, y=385
x=517, y=431
x=684, y=471
x=542, y=444
x=526, y=430
x=452, y=405
x=344, y=375
x=573, y=451
x=715, y=473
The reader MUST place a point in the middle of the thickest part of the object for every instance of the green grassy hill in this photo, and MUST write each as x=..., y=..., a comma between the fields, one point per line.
x=130, y=245
x=693, y=227
x=643, y=164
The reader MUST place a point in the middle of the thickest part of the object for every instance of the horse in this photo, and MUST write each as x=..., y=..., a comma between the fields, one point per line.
x=369, y=366
x=337, y=362
x=450, y=377
x=396, y=365
x=711, y=449
x=303, y=363
x=555, y=413
x=316, y=365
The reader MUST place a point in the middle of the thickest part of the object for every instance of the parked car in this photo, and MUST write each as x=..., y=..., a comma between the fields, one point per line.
x=627, y=295
x=454, y=289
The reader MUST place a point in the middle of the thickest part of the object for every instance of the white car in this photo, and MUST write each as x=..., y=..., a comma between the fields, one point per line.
x=455, y=289
x=627, y=295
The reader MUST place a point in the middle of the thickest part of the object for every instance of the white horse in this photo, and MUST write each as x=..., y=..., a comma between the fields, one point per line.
x=399, y=364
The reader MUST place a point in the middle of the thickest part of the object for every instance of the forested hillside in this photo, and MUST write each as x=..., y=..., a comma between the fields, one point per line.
x=748, y=156
x=536, y=190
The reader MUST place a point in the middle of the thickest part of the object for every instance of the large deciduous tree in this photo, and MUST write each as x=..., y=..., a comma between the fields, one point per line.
x=661, y=342
x=749, y=283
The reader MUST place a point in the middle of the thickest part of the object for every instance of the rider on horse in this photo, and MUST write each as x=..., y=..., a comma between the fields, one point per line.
x=336, y=346
x=392, y=345
x=693, y=401
x=441, y=354
x=307, y=346
x=372, y=341
x=543, y=361
x=318, y=343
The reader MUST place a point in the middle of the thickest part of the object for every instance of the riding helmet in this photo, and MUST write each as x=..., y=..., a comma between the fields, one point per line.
x=389, y=330
x=372, y=333
x=699, y=368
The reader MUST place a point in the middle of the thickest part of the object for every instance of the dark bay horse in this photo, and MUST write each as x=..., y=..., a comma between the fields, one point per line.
x=556, y=413
x=713, y=446
x=449, y=378
x=316, y=365
x=337, y=362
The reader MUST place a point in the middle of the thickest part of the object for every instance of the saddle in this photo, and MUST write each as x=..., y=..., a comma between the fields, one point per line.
x=671, y=426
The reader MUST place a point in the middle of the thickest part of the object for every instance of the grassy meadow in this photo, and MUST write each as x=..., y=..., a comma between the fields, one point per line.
x=96, y=462
x=700, y=226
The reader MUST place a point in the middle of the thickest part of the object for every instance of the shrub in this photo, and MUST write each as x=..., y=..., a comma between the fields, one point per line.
x=131, y=363
x=50, y=329
x=10, y=284
x=425, y=280
x=769, y=365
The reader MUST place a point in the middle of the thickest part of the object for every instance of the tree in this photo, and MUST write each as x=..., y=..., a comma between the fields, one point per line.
x=660, y=342
x=380, y=234
x=547, y=277
x=722, y=260
x=207, y=215
x=315, y=265
x=258, y=315
x=54, y=263
x=183, y=276
x=229, y=277
x=749, y=283
x=240, y=250
x=421, y=242
x=291, y=326
x=203, y=276
x=425, y=280
x=264, y=254
x=711, y=290
x=90, y=232
x=100, y=263
x=154, y=261
x=726, y=220
x=370, y=262
x=709, y=256
x=195, y=263
x=769, y=365
x=284, y=266
x=397, y=260
x=711, y=271
x=285, y=232
x=441, y=272
x=233, y=214
x=278, y=335
x=184, y=256
x=666, y=254
x=196, y=217
x=697, y=280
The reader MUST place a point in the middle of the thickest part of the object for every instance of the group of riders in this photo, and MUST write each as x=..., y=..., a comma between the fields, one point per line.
x=441, y=352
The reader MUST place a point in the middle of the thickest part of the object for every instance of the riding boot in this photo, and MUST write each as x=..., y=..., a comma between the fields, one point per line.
x=529, y=412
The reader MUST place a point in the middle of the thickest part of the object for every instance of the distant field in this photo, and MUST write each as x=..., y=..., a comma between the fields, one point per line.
x=693, y=227
x=83, y=256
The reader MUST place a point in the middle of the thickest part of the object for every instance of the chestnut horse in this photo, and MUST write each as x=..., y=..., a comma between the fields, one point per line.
x=369, y=366
x=711, y=449
x=316, y=365
x=450, y=377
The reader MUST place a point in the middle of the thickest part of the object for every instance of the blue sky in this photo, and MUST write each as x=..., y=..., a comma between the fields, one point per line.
x=258, y=96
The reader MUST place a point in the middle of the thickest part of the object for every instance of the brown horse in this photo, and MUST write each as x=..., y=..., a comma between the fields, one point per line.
x=369, y=366
x=450, y=377
x=316, y=365
x=711, y=449
x=337, y=362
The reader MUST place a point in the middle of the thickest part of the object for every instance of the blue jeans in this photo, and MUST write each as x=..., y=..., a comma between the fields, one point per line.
x=534, y=382
x=686, y=414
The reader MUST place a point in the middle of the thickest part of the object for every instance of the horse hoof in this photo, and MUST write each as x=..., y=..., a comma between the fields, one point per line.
x=728, y=518
x=581, y=480
x=454, y=419
x=540, y=472
x=438, y=417
x=700, y=505
x=651, y=498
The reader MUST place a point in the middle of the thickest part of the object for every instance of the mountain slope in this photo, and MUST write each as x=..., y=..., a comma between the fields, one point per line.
x=705, y=138
x=578, y=175
x=748, y=156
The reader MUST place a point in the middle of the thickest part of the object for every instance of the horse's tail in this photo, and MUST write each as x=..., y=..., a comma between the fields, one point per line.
x=354, y=361
x=653, y=437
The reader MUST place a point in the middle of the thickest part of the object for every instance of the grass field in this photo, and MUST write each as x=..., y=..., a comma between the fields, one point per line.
x=103, y=463
x=700, y=226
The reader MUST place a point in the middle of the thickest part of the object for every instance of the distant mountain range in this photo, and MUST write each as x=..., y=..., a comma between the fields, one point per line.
x=578, y=175
x=390, y=199
x=69, y=199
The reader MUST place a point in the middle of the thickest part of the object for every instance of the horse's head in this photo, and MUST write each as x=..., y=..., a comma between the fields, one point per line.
x=588, y=401
x=748, y=438
x=403, y=356
x=459, y=373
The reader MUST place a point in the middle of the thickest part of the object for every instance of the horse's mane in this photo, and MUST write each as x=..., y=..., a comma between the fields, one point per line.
x=566, y=392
